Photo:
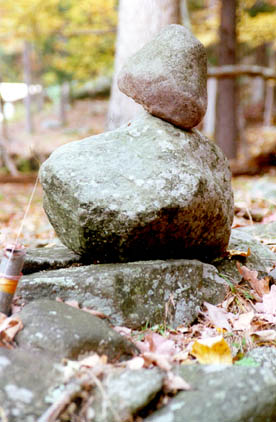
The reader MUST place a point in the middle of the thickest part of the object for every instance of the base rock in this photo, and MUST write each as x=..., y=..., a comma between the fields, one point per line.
x=147, y=190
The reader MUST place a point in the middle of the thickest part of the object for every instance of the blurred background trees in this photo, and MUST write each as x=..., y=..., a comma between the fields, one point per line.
x=65, y=50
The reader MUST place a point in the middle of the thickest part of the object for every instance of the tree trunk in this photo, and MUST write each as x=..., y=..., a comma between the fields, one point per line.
x=185, y=18
x=258, y=84
x=27, y=80
x=209, y=120
x=269, y=97
x=139, y=21
x=226, y=125
x=63, y=102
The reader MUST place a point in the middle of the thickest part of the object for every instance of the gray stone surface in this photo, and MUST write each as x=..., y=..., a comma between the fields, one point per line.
x=67, y=332
x=145, y=191
x=222, y=394
x=132, y=294
x=126, y=392
x=168, y=77
x=39, y=259
x=25, y=379
x=265, y=232
x=260, y=259
x=264, y=356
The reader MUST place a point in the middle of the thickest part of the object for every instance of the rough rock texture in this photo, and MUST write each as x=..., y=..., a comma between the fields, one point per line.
x=145, y=191
x=228, y=394
x=132, y=294
x=260, y=259
x=126, y=392
x=264, y=356
x=25, y=379
x=265, y=232
x=64, y=331
x=168, y=77
x=40, y=259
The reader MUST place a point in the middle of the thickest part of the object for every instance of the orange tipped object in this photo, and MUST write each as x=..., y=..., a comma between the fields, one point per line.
x=10, y=272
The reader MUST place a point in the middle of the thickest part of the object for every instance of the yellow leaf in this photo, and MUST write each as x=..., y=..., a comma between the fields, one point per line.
x=234, y=252
x=212, y=350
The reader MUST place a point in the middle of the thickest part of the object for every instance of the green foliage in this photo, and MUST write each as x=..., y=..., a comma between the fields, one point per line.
x=73, y=39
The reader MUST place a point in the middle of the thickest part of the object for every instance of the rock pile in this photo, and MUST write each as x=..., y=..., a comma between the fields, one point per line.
x=148, y=190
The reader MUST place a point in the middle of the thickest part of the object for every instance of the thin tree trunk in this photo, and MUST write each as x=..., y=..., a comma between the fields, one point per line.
x=258, y=84
x=185, y=18
x=5, y=158
x=27, y=80
x=269, y=97
x=63, y=102
x=4, y=123
x=209, y=121
x=226, y=125
x=139, y=21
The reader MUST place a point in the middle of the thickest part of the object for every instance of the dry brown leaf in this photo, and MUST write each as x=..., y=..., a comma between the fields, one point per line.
x=261, y=286
x=95, y=313
x=218, y=316
x=162, y=361
x=93, y=360
x=156, y=343
x=268, y=306
x=135, y=363
x=243, y=321
x=174, y=383
x=9, y=328
x=234, y=252
x=212, y=350
x=265, y=335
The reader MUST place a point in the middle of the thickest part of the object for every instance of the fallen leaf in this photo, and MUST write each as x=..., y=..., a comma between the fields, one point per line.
x=93, y=360
x=265, y=335
x=261, y=286
x=268, y=306
x=156, y=343
x=234, y=252
x=174, y=382
x=135, y=363
x=162, y=361
x=95, y=313
x=212, y=350
x=9, y=328
x=243, y=322
x=218, y=316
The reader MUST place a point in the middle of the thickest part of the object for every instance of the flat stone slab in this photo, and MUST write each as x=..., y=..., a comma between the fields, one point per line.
x=261, y=258
x=126, y=392
x=219, y=393
x=25, y=379
x=147, y=190
x=39, y=259
x=132, y=294
x=167, y=76
x=67, y=332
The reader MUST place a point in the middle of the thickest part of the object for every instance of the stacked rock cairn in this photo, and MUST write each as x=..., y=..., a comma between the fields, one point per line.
x=155, y=188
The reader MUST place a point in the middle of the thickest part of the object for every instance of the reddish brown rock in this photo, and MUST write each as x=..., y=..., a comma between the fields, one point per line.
x=168, y=77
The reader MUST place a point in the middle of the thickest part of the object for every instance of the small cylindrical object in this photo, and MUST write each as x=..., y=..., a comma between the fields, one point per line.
x=10, y=272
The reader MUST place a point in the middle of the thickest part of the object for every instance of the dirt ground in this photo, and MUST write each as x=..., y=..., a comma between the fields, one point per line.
x=84, y=118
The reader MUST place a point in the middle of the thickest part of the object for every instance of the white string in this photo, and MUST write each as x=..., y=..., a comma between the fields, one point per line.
x=22, y=223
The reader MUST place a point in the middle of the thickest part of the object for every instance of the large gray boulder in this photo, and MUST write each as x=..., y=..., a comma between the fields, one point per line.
x=168, y=77
x=145, y=191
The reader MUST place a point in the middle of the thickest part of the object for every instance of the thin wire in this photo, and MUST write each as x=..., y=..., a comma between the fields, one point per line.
x=22, y=223
x=27, y=210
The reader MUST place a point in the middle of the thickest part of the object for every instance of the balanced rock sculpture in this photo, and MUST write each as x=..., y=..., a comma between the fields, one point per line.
x=148, y=190
x=168, y=77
